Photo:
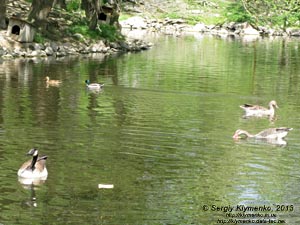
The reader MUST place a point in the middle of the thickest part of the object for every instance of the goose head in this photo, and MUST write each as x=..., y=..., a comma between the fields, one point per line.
x=33, y=152
x=273, y=103
x=241, y=134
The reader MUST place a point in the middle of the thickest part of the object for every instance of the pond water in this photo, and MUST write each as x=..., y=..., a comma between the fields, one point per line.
x=160, y=132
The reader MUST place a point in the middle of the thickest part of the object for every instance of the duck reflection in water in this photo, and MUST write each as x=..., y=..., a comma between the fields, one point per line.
x=275, y=142
x=31, y=186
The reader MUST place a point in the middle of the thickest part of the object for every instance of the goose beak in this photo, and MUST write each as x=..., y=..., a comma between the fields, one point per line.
x=235, y=136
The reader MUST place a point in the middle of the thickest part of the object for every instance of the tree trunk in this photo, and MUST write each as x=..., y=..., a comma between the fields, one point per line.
x=39, y=11
x=2, y=14
x=114, y=21
x=91, y=8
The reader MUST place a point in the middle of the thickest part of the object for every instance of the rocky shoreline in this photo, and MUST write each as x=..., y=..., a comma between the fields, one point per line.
x=179, y=26
x=10, y=48
x=75, y=45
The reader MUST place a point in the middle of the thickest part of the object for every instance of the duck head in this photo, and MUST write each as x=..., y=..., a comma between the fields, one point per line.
x=240, y=134
x=33, y=152
x=273, y=103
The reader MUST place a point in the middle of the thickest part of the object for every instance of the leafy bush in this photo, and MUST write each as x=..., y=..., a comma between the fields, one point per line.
x=104, y=31
x=38, y=38
x=285, y=20
x=235, y=12
x=110, y=32
x=276, y=14
x=73, y=5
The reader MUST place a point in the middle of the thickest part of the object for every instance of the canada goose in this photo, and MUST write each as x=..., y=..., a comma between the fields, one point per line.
x=256, y=110
x=52, y=82
x=35, y=168
x=93, y=86
x=270, y=133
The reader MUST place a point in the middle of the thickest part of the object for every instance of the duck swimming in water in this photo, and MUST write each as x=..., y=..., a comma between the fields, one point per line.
x=93, y=86
x=35, y=168
x=259, y=111
x=52, y=82
x=270, y=133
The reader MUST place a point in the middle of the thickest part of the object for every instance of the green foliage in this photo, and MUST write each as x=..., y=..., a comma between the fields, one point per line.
x=235, y=12
x=211, y=11
x=73, y=5
x=294, y=19
x=172, y=15
x=192, y=20
x=279, y=13
x=124, y=16
x=285, y=20
x=110, y=32
x=104, y=31
x=79, y=27
x=38, y=38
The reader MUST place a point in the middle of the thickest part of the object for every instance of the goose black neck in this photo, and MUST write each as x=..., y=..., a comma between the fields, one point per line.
x=34, y=159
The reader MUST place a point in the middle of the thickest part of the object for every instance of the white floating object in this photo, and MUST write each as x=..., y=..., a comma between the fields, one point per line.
x=106, y=186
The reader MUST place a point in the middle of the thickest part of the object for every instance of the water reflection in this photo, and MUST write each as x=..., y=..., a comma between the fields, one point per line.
x=275, y=142
x=32, y=200
x=31, y=182
x=160, y=131
x=270, y=118
x=31, y=185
